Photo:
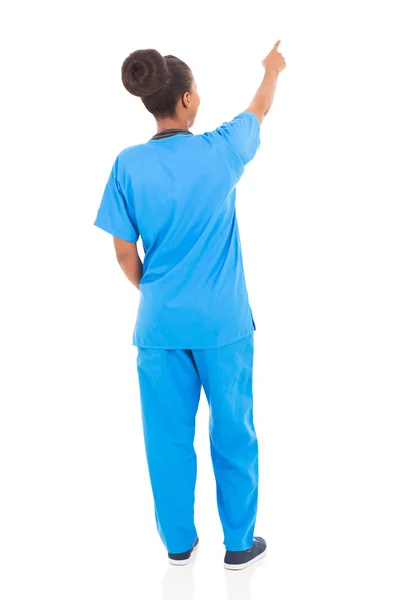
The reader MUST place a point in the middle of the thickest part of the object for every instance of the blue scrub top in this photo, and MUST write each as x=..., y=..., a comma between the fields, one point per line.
x=178, y=194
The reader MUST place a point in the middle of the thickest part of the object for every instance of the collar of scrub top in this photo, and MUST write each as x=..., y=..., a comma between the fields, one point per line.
x=168, y=132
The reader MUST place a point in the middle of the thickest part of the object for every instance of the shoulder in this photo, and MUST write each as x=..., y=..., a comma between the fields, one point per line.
x=245, y=120
x=132, y=151
x=131, y=156
x=241, y=134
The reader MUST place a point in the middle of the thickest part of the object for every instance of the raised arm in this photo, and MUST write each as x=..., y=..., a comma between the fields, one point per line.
x=273, y=64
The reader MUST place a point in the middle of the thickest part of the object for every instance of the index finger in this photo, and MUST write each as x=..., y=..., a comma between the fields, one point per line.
x=277, y=44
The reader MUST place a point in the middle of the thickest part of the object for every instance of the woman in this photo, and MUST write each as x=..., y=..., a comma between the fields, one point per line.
x=194, y=325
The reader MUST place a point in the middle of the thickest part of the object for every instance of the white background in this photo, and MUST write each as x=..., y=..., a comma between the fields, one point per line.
x=319, y=217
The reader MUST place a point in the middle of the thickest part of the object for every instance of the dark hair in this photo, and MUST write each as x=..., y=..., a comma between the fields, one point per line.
x=158, y=80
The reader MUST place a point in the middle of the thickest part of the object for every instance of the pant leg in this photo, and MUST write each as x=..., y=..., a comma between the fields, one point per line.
x=170, y=390
x=227, y=377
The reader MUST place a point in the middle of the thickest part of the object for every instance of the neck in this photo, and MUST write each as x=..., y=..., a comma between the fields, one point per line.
x=169, y=123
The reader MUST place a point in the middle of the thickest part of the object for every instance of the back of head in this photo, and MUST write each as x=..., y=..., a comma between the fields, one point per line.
x=158, y=80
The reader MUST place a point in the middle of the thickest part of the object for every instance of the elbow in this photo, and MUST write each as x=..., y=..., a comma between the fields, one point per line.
x=122, y=256
x=128, y=258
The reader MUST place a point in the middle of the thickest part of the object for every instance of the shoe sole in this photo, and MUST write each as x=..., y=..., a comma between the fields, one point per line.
x=182, y=563
x=246, y=564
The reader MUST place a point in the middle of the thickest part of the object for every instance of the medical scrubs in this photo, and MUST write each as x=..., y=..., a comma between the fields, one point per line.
x=194, y=327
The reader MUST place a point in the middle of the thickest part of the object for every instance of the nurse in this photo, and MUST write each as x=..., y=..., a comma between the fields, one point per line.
x=194, y=326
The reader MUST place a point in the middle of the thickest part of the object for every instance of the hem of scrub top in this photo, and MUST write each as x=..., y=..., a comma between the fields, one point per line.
x=195, y=347
x=118, y=234
x=248, y=112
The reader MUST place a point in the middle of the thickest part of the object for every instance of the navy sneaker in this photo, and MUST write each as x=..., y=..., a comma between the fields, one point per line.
x=184, y=557
x=244, y=558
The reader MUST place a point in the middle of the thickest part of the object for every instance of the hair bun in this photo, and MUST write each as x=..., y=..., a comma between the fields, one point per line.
x=144, y=72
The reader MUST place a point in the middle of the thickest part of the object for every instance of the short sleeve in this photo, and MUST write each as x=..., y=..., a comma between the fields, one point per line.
x=115, y=215
x=242, y=134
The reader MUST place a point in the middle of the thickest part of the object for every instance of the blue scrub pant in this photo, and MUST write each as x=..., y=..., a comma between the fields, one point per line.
x=170, y=383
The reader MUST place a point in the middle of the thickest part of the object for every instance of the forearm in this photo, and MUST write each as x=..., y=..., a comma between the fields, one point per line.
x=264, y=96
x=132, y=267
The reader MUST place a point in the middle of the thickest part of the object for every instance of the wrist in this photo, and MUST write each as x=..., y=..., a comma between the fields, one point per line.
x=271, y=72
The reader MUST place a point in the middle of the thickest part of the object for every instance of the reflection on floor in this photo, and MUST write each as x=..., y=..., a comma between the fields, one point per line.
x=179, y=583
